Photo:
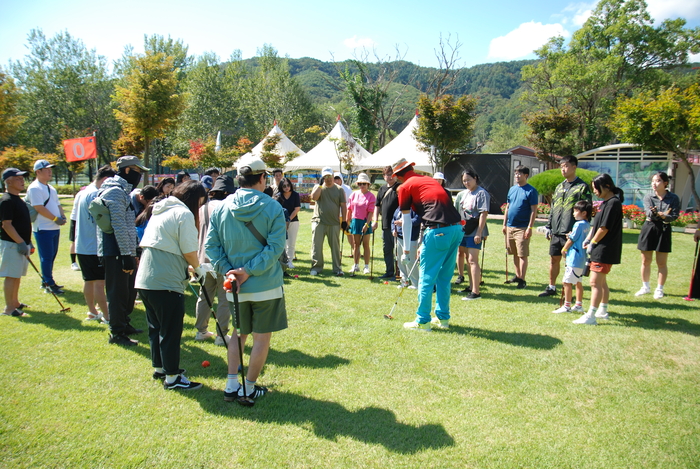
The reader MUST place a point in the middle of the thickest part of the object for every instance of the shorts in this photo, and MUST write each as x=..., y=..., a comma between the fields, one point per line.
x=573, y=275
x=262, y=316
x=517, y=244
x=468, y=242
x=356, y=227
x=71, y=231
x=556, y=244
x=600, y=268
x=655, y=236
x=13, y=264
x=91, y=267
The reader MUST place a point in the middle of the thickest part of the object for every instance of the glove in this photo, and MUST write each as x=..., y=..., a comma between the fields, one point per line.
x=548, y=233
x=60, y=221
x=590, y=247
x=23, y=248
x=128, y=263
x=406, y=258
x=344, y=225
x=199, y=273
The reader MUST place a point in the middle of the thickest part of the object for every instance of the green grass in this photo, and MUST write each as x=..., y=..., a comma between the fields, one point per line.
x=509, y=385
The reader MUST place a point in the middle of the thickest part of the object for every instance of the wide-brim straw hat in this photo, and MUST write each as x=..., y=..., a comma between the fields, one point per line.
x=362, y=177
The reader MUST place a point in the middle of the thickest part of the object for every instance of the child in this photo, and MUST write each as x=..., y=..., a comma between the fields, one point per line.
x=408, y=272
x=575, y=257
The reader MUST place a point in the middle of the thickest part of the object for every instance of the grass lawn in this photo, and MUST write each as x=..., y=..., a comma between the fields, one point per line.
x=509, y=385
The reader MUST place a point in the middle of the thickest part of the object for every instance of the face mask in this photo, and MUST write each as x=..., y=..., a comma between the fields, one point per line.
x=133, y=177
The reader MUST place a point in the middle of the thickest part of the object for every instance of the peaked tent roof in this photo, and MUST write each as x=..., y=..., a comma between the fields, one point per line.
x=283, y=147
x=324, y=154
x=404, y=145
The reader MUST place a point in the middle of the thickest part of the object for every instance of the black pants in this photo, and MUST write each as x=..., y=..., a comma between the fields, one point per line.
x=388, y=242
x=121, y=294
x=165, y=312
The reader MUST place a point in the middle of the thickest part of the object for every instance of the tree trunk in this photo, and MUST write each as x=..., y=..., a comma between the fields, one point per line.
x=146, y=160
x=691, y=174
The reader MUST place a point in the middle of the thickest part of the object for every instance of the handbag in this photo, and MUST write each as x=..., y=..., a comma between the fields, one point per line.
x=470, y=225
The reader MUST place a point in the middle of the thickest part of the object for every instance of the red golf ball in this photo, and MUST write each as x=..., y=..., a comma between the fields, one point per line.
x=206, y=363
x=386, y=283
x=296, y=276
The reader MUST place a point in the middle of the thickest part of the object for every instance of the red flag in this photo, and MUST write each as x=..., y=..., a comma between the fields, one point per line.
x=80, y=149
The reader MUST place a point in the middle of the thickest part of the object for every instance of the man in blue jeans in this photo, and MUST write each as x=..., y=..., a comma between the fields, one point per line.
x=441, y=238
x=50, y=218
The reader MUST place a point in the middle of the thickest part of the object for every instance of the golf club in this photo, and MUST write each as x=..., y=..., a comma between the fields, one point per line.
x=391, y=313
x=507, y=274
x=483, y=248
x=63, y=309
x=692, y=276
x=342, y=241
x=243, y=400
x=211, y=309
x=371, y=259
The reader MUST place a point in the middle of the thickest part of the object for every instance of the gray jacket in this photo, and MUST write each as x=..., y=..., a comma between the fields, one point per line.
x=123, y=242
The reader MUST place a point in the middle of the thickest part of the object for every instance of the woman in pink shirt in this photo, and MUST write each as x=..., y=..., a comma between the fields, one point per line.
x=360, y=210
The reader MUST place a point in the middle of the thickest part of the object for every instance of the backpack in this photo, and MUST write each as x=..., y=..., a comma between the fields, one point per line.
x=100, y=212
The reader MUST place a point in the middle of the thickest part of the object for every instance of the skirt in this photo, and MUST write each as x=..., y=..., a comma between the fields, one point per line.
x=655, y=236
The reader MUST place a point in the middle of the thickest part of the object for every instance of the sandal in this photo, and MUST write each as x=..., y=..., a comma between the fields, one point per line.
x=16, y=314
x=93, y=317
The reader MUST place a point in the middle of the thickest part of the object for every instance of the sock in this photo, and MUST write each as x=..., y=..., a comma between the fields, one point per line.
x=603, y=308
x=72, y=258
x=579, y=303
x=170, y=379
x=592, y=310
x=551, y=287
x=646, y=285
x=660, y=287
x=567, y=304
x=232, y=384
x=159, y=370
x=249, y=387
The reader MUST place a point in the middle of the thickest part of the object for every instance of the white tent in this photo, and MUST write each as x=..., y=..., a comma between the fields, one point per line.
x=404, y=145
x=325, y=154
x=283, y=147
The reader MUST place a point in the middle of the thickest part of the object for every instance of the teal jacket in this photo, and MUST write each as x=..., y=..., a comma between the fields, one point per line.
x=230, y=244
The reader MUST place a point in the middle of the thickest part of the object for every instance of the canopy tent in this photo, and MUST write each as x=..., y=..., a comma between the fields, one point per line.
x=404, y=145
x=325, y=154
x=283, y=147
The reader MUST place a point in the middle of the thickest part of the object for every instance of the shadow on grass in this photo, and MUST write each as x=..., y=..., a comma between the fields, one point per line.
x=520, y=339
x=298, y=359
x=329, y=420
x=56, y=320
x=652, y=322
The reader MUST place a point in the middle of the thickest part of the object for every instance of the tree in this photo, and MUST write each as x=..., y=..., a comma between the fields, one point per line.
x=668, y=120
x=445, y=125
x=547, y=181
x=551, y=133
x=148, y=104
x=9, y=97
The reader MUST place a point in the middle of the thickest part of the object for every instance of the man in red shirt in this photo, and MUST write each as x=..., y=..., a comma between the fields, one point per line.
x=441, y=238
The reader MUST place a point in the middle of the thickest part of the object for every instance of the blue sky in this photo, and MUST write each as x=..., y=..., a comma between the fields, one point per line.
x=490, y=31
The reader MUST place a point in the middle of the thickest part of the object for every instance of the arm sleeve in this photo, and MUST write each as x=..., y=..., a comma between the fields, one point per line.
x=407, y=225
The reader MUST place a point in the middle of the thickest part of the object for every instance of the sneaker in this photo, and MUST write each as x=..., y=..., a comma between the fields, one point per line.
x=460, y=279
x=354, y=268
x=387, y=275
x=586, y=319
x=313, y=272
x=55, y=289
x=416, y=326
x=521, y=284
x=75, y=266
x=512, y=280
x=220, y=340
x=412, y=287
x=402, y=285
x=131, y=330
x=472, y=296
x=658, y=294
x=122, y=339
x=577, y=309
x=466, y=290
x=548, y=292
x=365, y=270
x=182, y=383
x=290, y=265
x=643, y=291
x=161, y=376
x=602, y=314
x=231, y=396
x=258, y=391
x=339, y=274
x=440, y=323
x=563, y=309
x=203, y=335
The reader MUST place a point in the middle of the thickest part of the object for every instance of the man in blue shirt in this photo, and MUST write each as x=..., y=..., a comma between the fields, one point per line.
x=518, y=222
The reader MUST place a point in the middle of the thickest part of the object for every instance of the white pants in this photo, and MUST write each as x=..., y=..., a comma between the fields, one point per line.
x=405, y=269
x=292, y=232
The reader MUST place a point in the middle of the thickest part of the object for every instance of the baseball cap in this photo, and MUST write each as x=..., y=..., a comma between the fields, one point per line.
x=126, y=161
x=439, y=175
x=11, y=172
x=257, y=166
x=224, y=184
x=207, y=182
x=327, y=171
x=42, y=164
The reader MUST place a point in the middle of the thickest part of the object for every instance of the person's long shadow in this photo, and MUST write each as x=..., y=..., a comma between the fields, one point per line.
x=298, y=359
x=647, y=321
x=519, y=339
x=372, y=425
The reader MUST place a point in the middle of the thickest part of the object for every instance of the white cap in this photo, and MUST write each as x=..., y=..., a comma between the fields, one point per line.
x=327, y=171
x=439, y=175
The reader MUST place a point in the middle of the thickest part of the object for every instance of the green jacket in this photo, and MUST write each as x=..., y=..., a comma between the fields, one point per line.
x=561, y=217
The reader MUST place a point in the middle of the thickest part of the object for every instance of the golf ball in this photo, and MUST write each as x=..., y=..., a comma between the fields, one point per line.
x=206, y=363
x=386, y=283
x=296, y=276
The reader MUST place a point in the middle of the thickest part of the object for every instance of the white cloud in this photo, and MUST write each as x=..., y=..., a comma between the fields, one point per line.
x=665, y=9
x=355, y=42
x=579, y=12
x=524, y=39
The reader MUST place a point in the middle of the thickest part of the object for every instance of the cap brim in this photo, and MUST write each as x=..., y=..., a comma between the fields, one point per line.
x=141, y=167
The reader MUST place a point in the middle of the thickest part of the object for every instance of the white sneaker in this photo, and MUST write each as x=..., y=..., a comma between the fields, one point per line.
x=585, y=319
x=354, y=268
x=642, y=291
x=416, y=326
x=411, y=287
x=220, y=340
x=577, y=309
x=365, y=270
x=290, y=265
x=75, y=266
x=313, y=272
x=602, y=314
x=563, y=309
x=204, y=335
x=440, y=323
x=658, y=294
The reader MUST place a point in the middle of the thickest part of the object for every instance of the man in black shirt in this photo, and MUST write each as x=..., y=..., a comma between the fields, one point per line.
x=387, y=203
x=15, y=239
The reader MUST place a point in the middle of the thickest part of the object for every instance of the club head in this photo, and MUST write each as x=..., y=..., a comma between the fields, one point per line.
x=388, y=316
x=482, y=283
x=245, y=401
x=65, y=310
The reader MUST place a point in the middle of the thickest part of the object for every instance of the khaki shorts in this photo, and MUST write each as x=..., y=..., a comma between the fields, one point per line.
x=13, y=264
x=262, y=316
x=517, y=244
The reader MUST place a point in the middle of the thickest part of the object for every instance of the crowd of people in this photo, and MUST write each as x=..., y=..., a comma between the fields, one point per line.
x=152, y=241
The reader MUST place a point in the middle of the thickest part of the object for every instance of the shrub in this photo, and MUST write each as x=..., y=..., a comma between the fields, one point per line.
x=547, y=181
x=503, y=208
x=544, y=209
x=685, y=218
x=305, y=198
